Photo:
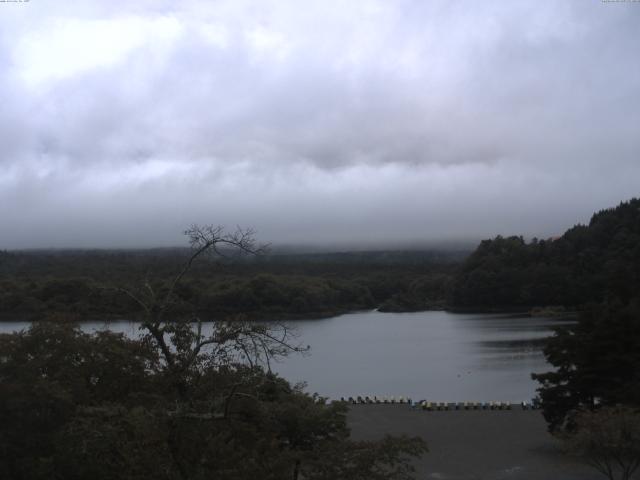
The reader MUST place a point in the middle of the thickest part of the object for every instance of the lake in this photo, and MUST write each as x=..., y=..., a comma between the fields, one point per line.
x=433, y=355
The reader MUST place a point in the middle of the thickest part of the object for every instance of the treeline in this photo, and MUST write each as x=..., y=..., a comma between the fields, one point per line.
x=89, y=283
x=589, y=263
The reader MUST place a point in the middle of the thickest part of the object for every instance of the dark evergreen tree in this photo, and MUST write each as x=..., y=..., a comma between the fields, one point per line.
x=597, y=363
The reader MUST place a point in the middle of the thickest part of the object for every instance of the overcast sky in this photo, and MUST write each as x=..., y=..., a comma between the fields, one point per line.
x=371, y=122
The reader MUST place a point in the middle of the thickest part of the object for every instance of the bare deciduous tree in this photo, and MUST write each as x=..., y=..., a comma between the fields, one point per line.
x=183, y=341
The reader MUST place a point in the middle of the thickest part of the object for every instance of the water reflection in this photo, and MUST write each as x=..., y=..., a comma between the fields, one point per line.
x=436, y=355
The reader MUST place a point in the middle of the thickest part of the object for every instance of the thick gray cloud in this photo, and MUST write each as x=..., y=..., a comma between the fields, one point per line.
x=328, y=122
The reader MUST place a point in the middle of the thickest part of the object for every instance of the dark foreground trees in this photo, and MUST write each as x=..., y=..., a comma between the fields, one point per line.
x=597, y=364
x=101, y=406
x=183, y=401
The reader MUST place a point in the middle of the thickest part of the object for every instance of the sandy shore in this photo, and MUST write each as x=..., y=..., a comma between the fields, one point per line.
x=474, y=445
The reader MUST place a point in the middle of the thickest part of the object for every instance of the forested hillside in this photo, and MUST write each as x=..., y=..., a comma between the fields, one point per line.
x=589, y=263
x=87, y=283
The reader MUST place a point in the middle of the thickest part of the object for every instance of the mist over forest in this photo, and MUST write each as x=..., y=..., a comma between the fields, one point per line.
x=368, y=123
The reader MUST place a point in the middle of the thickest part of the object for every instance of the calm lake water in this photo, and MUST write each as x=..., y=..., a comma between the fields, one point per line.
x=438, y=355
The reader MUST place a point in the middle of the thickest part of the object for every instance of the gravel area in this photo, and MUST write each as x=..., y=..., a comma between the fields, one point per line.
x=474, y=444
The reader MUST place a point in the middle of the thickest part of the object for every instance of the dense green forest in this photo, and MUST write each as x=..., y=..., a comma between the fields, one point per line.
x=86, y=283
x=589, y=263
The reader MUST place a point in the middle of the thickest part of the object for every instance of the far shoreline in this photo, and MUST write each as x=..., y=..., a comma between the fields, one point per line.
x=536, y=311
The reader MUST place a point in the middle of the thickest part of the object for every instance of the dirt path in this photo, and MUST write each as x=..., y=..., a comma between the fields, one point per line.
x=466, y=445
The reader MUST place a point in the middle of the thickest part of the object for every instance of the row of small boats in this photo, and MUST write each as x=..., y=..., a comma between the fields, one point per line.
x=433, y=406
x=375, y=399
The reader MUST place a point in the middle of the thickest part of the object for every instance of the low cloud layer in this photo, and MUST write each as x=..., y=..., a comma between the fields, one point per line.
x=329, y=122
